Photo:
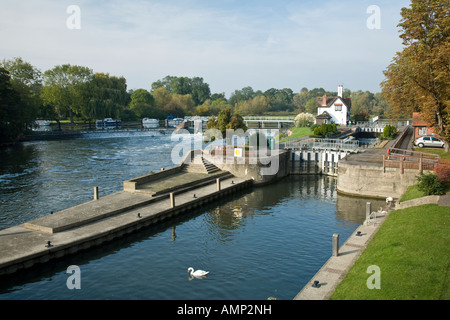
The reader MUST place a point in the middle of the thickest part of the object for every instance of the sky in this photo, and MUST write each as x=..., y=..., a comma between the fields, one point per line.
x=230, y=44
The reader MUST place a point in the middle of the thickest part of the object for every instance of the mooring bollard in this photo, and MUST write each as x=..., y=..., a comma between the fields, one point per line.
x=218, y=184
x=172, y=200
x=335, y=245
x=95, y=193
x=368, y=210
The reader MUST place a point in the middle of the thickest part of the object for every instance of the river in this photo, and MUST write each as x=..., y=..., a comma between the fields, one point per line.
x=271, y=249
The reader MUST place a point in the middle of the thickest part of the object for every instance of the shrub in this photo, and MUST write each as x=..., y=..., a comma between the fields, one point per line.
x=304, y=120
x=389, y=132
x=325, y=129
x=443, y=174
x=429, y=184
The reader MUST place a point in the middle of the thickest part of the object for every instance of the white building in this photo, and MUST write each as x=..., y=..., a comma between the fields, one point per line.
x=333, y=109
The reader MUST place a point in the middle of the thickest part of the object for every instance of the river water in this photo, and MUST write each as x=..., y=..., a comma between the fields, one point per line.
x=271, y=249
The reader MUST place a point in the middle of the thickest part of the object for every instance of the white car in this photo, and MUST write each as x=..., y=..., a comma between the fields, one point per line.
x=428, y=141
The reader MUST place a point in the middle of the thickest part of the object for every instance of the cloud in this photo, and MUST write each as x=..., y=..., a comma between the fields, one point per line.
x=231, y=44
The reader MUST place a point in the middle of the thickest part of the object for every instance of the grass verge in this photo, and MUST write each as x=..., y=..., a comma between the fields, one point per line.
x=298, y=133
x=412, y=251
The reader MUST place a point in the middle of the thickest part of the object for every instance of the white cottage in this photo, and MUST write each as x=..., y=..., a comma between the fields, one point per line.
x=333, y=109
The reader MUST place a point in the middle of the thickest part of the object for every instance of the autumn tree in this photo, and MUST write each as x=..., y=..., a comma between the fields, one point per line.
x=418, y=79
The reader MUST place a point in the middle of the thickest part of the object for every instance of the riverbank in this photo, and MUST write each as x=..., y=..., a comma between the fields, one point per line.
x=408, y=247
x=411, y=252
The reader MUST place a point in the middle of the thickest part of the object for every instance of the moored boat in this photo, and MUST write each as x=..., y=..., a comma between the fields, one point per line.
x=108, y=123
x=150, y=123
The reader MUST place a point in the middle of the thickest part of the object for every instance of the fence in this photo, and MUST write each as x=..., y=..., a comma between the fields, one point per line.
x=329, y=144
x=406, y=159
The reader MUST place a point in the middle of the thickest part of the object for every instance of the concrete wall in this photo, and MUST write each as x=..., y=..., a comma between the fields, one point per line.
x=265, y=170
x=373, y=181
x=132, y=185
x=417, y=202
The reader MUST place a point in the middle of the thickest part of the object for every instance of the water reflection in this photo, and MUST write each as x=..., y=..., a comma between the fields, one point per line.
x=353, y=209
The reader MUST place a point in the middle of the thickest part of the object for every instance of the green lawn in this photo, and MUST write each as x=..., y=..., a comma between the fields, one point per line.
x=412, y=192
x=445, y=156
x=412, y=251
x=298, y=133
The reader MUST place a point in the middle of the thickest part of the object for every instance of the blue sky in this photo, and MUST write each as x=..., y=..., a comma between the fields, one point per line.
x=230, y=44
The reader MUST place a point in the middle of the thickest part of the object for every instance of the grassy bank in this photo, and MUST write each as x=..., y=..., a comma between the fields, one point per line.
x=412, y=251
x=298, y=133
x=445, y=156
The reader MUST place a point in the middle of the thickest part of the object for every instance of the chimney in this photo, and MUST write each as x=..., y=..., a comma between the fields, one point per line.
x=340, y=91
x=324, y=100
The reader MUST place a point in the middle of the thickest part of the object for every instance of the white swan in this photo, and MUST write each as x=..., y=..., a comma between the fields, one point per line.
x=197, y=273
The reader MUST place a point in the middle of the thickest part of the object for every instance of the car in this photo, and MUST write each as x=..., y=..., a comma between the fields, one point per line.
x=428, y=141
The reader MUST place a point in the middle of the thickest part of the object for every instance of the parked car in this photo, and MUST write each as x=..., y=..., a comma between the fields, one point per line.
x=428, y=141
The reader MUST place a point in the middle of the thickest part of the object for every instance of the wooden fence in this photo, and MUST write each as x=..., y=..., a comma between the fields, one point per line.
x=407, y=159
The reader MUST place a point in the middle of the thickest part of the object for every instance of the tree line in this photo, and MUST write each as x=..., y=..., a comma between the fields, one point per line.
x=72, y=92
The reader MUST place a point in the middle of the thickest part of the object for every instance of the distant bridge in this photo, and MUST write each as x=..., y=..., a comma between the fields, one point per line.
x=378, y=126
x=266, y=122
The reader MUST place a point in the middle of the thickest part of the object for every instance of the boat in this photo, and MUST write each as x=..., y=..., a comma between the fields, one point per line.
x=150, y=123
x=42, y=125
x=108, y=123
x=174, y=122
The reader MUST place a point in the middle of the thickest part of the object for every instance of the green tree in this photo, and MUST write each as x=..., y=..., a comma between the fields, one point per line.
x=26, y=80
x=418, y=79
x=10, y=122
x=311, y=106
x=107, y=97
x=65, y=88
x=196, y=87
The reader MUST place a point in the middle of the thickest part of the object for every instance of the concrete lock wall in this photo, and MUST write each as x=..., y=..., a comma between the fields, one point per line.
x=315, y=161
x=374, y=181
x=267, y=169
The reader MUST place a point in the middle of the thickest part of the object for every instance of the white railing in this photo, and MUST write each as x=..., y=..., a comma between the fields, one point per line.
x=329, y=144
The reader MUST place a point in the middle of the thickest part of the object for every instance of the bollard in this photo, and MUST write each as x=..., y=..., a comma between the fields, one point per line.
x=172, y=200
x=335, y=245
x=218, y=184
x=368, y=210
x=95, y=193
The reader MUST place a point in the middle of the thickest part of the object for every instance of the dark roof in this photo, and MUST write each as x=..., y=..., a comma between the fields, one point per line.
x=324, y=115
x=330, y=100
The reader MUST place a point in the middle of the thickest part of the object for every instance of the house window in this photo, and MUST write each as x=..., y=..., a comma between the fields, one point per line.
x=422, y=131
x=338, y=108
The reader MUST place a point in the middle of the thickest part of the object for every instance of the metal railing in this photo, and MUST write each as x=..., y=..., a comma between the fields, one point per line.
x=329, y=144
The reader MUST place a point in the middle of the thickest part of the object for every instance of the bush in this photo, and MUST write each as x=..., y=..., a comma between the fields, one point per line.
x=325, y=129
x=429, y=184
x=389, y=132
x=443, y=174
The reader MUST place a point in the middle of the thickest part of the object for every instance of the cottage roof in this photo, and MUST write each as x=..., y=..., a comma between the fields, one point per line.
x=327, y=102
x=324, y=115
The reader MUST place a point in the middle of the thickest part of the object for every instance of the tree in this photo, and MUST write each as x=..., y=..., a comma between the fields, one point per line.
x=65, y=88
x=418, y=79
x=225, y=121
x=196, y=87
x=10, y=124
x=256, y=106
x=311, y=106
x=26, y=80
x=107, y=97
x=162, y=97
